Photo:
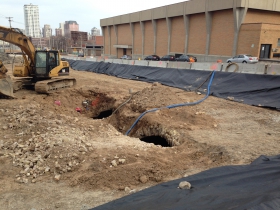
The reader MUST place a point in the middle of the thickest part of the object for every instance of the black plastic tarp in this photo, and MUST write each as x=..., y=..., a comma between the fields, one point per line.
x=253, y=187
x=252, y=89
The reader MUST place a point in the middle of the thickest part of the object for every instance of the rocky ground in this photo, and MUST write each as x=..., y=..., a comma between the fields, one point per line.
x=68, y=149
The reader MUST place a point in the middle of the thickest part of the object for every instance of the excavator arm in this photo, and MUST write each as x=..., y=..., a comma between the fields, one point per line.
x=16, y=37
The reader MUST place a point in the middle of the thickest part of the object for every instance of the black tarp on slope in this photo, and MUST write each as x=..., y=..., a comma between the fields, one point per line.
x=252, y=89
x=253, y=187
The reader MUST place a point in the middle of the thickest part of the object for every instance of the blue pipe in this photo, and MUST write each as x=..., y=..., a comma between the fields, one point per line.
x=174, y=105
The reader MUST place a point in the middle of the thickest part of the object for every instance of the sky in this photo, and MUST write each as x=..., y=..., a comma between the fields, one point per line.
x=87, y=13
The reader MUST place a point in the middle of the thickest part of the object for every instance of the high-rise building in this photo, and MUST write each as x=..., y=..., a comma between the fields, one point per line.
x=31, y=20
x=61, y=26
x=70, y=26
x=58, y=32
x=95, y=31
x=47, y=31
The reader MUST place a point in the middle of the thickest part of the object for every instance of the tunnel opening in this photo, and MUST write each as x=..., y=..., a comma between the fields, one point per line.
x=104, y=114
x=156, y=140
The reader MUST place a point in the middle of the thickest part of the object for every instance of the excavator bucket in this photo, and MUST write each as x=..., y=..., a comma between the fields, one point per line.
x=6, y=87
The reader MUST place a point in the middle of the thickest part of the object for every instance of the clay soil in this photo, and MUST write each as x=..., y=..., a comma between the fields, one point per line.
x=72, y=150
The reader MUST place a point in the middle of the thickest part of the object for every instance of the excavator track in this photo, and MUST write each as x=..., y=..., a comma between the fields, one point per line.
x=52, y=85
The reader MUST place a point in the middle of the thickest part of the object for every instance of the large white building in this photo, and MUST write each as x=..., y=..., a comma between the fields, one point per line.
x=95, y=31
x=31, y=20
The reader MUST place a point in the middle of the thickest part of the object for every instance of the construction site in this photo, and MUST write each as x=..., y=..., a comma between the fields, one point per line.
x=122, y=122
x=71, y=149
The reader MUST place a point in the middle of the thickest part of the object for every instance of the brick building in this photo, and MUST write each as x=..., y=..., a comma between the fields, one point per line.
x=209, y=29
x=94, y=46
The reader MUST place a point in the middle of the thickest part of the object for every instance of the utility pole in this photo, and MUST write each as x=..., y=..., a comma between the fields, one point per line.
x=40, y=40
x=10, y=20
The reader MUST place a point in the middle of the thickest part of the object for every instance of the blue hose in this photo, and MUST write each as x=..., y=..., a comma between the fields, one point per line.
x=174, y=105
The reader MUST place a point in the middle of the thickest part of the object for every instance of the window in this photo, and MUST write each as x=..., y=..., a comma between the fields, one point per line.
x=278, y=44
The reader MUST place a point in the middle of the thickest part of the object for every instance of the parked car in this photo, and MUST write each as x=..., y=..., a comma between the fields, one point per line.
x=126, y=57
x=168, y=58
x=194, y=58
x=81, y=54
x=243, y=58
x=152, y=58
x=183, y=58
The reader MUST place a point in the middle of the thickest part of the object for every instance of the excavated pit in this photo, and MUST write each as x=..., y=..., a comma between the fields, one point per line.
x=123, y=116
x=95, y=105
x=98, y=105
x=156, y=140
x=122, y=112
x=104, y=114
x=156, y=127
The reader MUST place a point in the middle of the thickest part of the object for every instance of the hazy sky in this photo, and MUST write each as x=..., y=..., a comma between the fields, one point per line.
x=87, y=13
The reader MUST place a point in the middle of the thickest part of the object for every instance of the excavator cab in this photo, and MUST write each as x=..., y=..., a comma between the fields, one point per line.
x=48, y=64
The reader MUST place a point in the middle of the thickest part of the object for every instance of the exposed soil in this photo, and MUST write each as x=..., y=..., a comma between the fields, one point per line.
x=68, y=150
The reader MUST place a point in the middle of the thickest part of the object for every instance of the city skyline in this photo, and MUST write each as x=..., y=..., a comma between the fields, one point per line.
x=85, y=12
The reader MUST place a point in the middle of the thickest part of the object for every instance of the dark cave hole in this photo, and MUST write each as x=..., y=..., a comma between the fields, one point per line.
x=157, y=140
x=104, y=114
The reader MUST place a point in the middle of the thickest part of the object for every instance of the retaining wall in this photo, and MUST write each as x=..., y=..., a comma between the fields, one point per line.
x=141, y=63
x=273, y=69
x=259, y=68
x=162, y=64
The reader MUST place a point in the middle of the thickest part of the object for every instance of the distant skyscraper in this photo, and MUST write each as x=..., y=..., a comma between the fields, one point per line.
x=58, y=32
x=61, y=26
x=47, y=31
x=95, y=31
x=31, y=20
x=69, y=26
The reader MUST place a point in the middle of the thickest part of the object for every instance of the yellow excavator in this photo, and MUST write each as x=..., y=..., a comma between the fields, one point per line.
x=42, y=69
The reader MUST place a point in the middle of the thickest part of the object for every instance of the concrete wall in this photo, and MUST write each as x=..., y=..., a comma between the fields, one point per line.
x=259, y=68
x=177, y=35
x=197, y=36
x=106, y=40
x=249, y=35
x=222, y=33
x=262, y=16
x=113, y=42
x=161, y=38
x=124, y=35
x=137, y=39
x=149, y=38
